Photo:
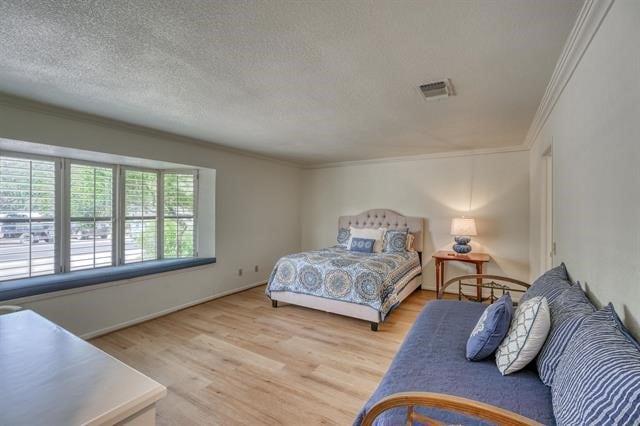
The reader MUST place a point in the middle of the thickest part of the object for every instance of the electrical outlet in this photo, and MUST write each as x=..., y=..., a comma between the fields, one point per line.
x=240, y=272
x=255, y=268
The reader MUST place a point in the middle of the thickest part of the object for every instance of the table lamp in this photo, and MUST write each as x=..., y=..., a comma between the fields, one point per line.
x=462, y=228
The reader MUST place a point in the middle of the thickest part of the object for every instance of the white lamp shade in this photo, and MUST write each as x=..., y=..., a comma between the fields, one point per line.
x=463, y=226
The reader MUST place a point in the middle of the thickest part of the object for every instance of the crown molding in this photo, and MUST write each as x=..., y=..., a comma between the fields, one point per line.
x=437, y=155
x=587, y=24
x=55, y=111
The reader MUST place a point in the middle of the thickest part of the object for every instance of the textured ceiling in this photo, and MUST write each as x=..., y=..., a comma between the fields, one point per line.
x=308, y=81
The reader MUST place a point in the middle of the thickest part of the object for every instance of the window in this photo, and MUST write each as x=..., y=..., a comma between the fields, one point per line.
x=91, y=216
x=140, y=216
x=59, y=215
x=27, y=217
x=179, y=214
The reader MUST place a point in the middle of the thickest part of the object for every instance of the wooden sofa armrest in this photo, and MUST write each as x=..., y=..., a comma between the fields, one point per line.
x=479, y=279
x=477, y=409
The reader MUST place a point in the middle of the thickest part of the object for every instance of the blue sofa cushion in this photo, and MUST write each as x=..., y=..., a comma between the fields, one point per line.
x=490, y=329
x=598, y=378
x=362, y=245
x=549, y=285
x=567, y=314
x=432, y=359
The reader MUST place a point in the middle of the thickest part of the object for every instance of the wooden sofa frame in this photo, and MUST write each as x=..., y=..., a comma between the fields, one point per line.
x=477, y=409
x=410, y=400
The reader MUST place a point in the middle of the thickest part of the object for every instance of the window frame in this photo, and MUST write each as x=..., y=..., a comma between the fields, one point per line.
x=62, y=209
x=196, y=187
x=66, y=207
x=57, y=220
x=123, y=217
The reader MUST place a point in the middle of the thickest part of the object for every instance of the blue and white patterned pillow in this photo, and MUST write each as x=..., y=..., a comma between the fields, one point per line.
x=527, y=333
x=490, y=329
x=598, y=378
x=567, y=314
x=549, y=285
x=343, y=236
x=395, y=241
x=362, y=245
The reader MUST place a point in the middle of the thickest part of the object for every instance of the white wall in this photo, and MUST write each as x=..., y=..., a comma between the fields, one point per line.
x=257, y=218
x=436, y=189
x=594, y=130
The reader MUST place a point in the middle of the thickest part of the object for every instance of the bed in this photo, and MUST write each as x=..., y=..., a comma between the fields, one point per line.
x=368, y=286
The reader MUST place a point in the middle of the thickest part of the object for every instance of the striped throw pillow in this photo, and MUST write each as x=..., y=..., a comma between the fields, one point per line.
x=567, y=313
x=571, y=302
x=598, y=378
x=549, y=285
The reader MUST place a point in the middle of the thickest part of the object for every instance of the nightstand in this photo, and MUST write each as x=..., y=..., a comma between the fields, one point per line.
x=443, y=256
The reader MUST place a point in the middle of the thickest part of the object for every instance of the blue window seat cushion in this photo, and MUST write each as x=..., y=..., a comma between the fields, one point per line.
x=25, y=287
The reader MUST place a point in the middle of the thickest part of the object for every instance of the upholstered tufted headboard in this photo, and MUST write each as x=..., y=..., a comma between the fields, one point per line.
x=387, y=219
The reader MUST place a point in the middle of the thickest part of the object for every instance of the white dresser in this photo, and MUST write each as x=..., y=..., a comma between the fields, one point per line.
x=50, y=377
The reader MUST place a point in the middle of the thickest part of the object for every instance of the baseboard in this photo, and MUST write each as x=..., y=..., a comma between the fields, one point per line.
x=426, y=286
x=167, y=311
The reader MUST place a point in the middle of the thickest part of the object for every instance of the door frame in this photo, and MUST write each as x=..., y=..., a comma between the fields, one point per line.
x=548, y=234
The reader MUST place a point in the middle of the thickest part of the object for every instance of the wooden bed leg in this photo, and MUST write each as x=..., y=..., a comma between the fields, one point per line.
x=374, y=326
x=274, y=303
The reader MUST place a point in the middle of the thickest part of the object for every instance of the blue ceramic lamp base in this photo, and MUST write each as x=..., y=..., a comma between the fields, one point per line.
x=462, y=245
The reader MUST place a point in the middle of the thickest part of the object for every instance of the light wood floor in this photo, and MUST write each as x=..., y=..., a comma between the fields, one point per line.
x=236, y=360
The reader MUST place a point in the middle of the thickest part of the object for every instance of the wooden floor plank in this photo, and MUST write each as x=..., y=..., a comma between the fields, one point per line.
x=236, y=360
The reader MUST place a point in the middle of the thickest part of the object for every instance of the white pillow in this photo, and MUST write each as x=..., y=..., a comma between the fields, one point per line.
x=528, y=331
x=369, y=233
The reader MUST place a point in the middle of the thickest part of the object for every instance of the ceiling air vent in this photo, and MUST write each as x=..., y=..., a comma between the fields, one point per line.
x=437, y=89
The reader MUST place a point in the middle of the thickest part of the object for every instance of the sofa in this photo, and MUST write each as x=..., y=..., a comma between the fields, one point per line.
x=432, y=359
x=586, y=370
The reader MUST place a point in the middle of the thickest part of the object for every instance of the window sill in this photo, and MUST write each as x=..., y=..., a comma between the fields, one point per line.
x=24, y=287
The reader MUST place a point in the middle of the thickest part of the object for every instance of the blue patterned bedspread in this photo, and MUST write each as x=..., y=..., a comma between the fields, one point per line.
x=372, y=279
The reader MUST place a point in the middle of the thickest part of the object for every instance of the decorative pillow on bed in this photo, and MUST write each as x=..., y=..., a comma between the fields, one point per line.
x=395, y=241
x=343, y=237
x=490, y=329
x=410, y=238
x=528, y=331
x=368, y=233
x=598, y=377
x=362, y=245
